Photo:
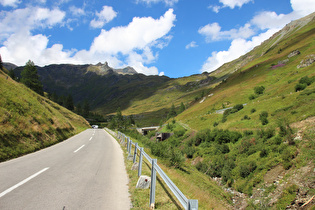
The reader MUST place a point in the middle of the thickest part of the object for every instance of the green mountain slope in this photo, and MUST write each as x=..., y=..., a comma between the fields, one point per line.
x=252, y=128
x=104, y=88
x=277, y=71
x=29, y=122
x=233, y=83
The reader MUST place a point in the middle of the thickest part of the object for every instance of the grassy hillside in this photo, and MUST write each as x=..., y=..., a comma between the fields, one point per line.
x=251, y=126
x=29, y=122
x=277, y=73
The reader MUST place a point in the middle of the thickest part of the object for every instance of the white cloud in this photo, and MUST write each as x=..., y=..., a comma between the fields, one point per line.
x=303, y=7
x=29, y=19
x=234, y=3
x=229, y=3
x=167, y=2
x=191, y=45
x=10, y=3
x=140, y=33
x=75, y=11
x=133, y=44
x=105, y=16
x=266, y=20
x=215, y=8
x=213, y=32
x=238, y=47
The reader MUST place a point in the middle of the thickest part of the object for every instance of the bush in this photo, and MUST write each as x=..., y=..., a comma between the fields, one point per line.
x=248, y=133
x=246, y=117
x=238, y=107
x=263, y=118
x=300, y=86
x=215, y=124
x=176, y=158
x=247, y=168
x=225, y=149
x=201, y=136
x=306, y=80
x=252, y=110
x=263, y=153
x=259, y=90
x=252, y=97
x=189, y=151
x=179, y=132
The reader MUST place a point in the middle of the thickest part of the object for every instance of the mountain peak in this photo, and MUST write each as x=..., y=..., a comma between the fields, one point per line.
x=104, y=68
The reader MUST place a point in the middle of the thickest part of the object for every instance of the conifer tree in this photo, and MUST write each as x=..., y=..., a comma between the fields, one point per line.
x=1, y=64
x=182, y=107
x=31, y=79
x=69, y=103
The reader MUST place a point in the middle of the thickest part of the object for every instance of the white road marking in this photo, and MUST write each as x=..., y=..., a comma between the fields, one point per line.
x=79, y=148
x=90, y=139
x=22, y=182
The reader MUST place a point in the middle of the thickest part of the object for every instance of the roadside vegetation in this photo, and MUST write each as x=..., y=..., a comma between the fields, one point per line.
x=252, y=132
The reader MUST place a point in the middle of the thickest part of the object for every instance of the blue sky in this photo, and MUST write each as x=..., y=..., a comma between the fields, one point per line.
x=175, y=38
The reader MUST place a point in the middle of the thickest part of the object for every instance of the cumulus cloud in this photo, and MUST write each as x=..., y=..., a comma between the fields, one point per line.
x=303, y=7
x=265, y=20
x=191, y=45
x=238, y=47
x=29, y=19
x=75, y=11
x=234, y=3
x=10, y=3
x=133, y=44
x=229, y=3
x=138, y=34
x=213, y=32
x=105, y=16
x=167, y=2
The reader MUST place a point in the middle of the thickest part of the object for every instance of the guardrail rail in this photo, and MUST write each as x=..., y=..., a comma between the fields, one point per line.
x=188, y=204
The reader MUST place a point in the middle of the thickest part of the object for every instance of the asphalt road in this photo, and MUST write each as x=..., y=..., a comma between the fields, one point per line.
x=84, y=172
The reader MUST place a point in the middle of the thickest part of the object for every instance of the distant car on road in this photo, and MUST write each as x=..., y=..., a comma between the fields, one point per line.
x=94, y=126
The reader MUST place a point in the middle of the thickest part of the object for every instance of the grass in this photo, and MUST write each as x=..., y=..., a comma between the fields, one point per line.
x=30, y=122
x=192, y=183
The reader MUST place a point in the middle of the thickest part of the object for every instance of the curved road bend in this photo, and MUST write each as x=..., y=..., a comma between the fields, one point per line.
x=84, y=172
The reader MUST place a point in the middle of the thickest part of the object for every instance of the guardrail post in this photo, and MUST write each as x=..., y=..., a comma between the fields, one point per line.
x=153, y=181
x=140, y=162
x=128, y=144
x=135, y=153
x=192, y=204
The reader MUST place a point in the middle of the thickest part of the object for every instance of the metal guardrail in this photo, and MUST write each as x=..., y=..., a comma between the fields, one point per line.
x=185, y=202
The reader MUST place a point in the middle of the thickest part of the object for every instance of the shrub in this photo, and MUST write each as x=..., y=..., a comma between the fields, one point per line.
x=259, y=90
x=288, y=195
x=238, y=107
x=306, y=80
x=179, y=132
x=225, y=149
x=176, y=158
x=244, y=171
x=215, y=124
x=252, y=110
x=263, y=114
x=248, y=133
x=252, y=97
x=246, y=117
x=300, y=86
x=189, y=151
x=263, y=153
x=202, y=166
x=263, y=118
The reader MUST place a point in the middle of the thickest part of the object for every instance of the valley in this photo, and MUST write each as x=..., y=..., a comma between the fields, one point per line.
x=245, y=131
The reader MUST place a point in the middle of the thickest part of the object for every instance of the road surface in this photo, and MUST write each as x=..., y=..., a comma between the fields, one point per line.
x=84, y=172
